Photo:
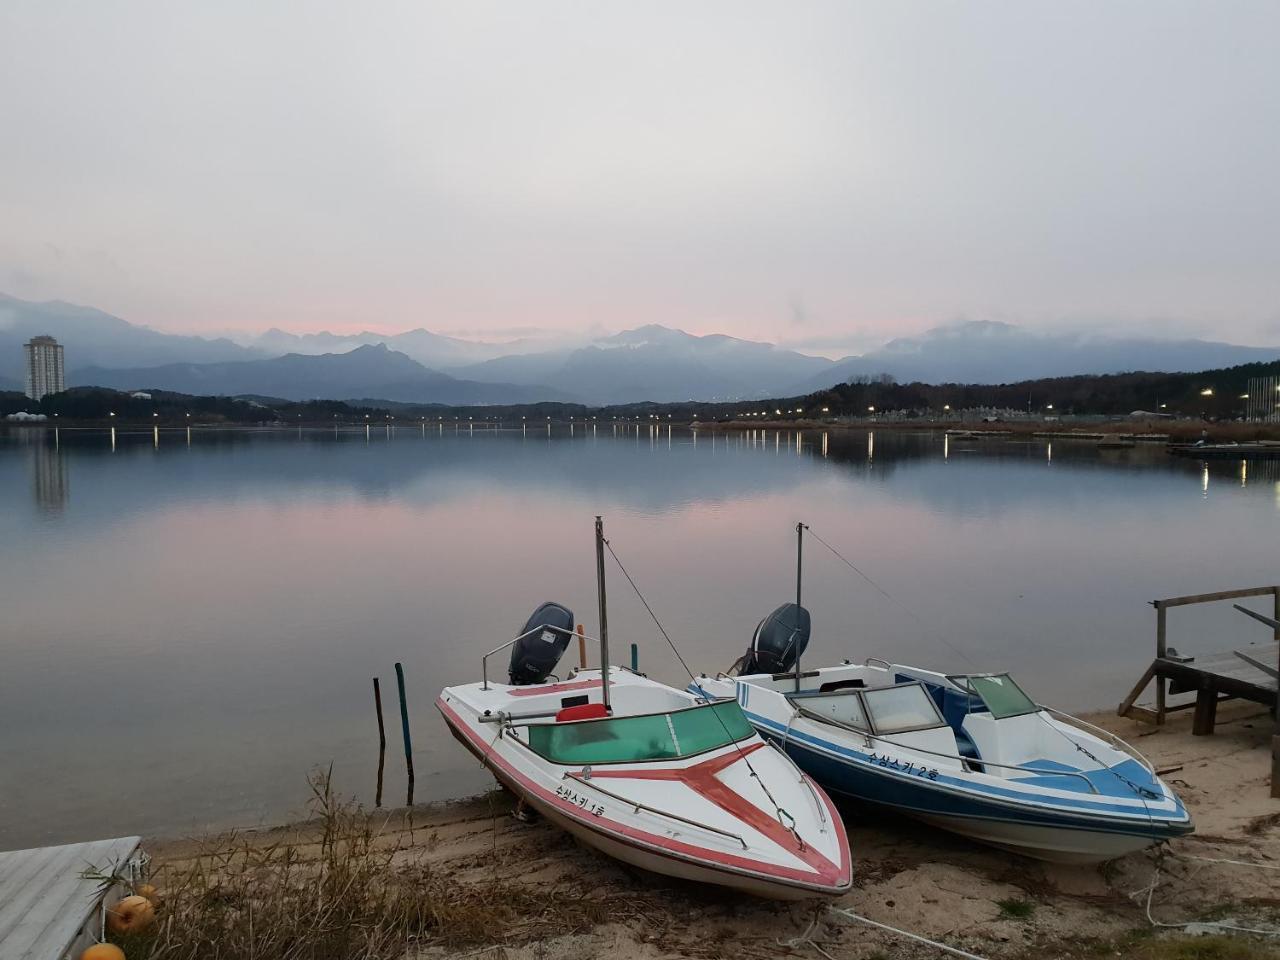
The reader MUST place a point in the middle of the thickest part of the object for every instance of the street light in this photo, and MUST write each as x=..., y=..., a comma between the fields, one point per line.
x=1207, y=392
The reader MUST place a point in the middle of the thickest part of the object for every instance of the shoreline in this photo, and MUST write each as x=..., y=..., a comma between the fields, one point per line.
x=906, y=874
x=1153, y=433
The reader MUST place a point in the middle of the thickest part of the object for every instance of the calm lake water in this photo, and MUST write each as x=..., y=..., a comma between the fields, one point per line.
x=191, y=625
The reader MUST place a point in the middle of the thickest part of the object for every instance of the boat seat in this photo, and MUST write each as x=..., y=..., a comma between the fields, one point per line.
x=954, y=705
x=583, y=711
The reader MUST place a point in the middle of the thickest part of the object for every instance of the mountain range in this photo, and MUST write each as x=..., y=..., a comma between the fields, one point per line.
x=369, y=371
x=991, y=352
x=651, y=362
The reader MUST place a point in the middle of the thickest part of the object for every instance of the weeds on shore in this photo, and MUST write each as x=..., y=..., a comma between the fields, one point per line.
x=1016, y=909
x=339, y=895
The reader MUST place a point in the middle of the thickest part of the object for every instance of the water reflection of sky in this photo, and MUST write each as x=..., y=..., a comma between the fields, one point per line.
x=189, y=628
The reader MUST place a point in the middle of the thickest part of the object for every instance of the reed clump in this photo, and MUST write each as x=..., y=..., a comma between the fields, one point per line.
x=340, y=891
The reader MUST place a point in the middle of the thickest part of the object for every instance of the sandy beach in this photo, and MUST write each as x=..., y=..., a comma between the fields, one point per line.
x=528, y=892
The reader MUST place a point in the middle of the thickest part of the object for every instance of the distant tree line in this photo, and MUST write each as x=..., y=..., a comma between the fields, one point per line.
x=1215, y=394
x=1211, y=393
x=95, y=403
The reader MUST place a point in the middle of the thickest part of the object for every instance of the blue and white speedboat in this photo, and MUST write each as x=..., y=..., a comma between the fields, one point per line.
x=969, y=753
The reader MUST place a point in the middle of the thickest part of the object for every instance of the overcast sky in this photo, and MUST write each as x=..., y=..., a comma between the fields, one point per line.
x=827, y=175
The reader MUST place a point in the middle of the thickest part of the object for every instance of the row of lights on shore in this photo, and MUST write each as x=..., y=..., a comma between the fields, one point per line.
x=1205, y=392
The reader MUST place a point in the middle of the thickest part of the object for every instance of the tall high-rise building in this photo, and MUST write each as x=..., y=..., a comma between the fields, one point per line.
x=44, y=367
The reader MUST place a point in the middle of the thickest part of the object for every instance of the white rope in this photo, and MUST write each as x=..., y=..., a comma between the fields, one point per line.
x=1203, y=924
x=850, y=915
x=1237, y=863
x=805, y=939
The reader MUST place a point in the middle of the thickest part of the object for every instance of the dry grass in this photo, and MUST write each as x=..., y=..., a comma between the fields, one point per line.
x=340, y=895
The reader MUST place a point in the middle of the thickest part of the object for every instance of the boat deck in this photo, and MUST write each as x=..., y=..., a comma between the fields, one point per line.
x=51, y=897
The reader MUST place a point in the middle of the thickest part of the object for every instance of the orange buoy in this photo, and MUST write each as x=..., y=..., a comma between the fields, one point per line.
x=103, y=951
x=131, y=915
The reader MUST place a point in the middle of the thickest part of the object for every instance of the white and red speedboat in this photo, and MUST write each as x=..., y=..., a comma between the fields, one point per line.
x=659, y=778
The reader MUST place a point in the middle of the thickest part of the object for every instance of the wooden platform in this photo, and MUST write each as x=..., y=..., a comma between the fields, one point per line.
x=49, y=909
x=1212, y=678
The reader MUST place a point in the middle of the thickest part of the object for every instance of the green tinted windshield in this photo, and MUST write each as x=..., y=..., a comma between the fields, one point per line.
x=1003, y=697
x=657, y=737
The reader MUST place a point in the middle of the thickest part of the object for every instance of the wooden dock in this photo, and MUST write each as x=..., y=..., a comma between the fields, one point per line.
x=1262, y=450
x=1244, y=674
x=52, y=898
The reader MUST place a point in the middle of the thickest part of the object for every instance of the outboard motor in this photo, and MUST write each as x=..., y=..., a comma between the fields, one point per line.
x=779, y=641
x=537, y=652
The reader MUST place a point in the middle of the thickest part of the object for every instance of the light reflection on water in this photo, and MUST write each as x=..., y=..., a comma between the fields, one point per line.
x=192, y=620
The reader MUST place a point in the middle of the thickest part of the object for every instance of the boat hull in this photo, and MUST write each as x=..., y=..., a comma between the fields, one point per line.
x=650, y=856
x=1010, y=825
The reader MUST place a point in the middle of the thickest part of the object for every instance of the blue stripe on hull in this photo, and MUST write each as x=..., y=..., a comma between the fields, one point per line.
x=862, y=781
x=852, y=774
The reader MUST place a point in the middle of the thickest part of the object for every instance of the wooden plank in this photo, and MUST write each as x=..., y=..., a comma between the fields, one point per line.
x=1213, y=597
x=1256, y=686
x=1126, y=705
x=1141, y=713
x=1275, y=736
x=50, y=900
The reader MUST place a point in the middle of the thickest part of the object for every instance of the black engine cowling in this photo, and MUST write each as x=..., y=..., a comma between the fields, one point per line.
x=779, y=641
x=537, y=652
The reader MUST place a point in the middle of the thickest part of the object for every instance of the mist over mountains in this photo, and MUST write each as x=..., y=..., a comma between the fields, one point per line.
x=651, y=362
x=369, y=371
x=992, y=352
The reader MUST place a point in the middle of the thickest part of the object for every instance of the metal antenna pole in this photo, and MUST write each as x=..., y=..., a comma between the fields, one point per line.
x=604, y=618
x=799, y=569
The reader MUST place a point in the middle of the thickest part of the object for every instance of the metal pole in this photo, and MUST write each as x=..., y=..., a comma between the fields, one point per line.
x=604, y=619
x=799, y=570
x=382, y=740
x=404, y=725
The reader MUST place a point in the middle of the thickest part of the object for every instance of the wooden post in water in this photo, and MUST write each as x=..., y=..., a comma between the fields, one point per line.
x=582, y=648
x=404, y=725
x=382, y=740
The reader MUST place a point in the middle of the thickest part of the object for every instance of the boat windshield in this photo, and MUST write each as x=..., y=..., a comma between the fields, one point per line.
x=902, y=708
x=659, y=736
x=1003, y=697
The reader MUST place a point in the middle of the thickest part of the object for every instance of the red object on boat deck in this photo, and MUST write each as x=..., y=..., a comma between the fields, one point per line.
x=583, y=711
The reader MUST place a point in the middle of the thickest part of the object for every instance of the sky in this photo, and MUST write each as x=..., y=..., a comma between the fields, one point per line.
x=826, y=175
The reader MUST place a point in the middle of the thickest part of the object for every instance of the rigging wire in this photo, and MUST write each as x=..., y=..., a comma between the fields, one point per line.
x=924, y=627
x=778, y=809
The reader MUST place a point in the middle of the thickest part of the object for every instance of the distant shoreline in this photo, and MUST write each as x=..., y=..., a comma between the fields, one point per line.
x=1176, y=431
